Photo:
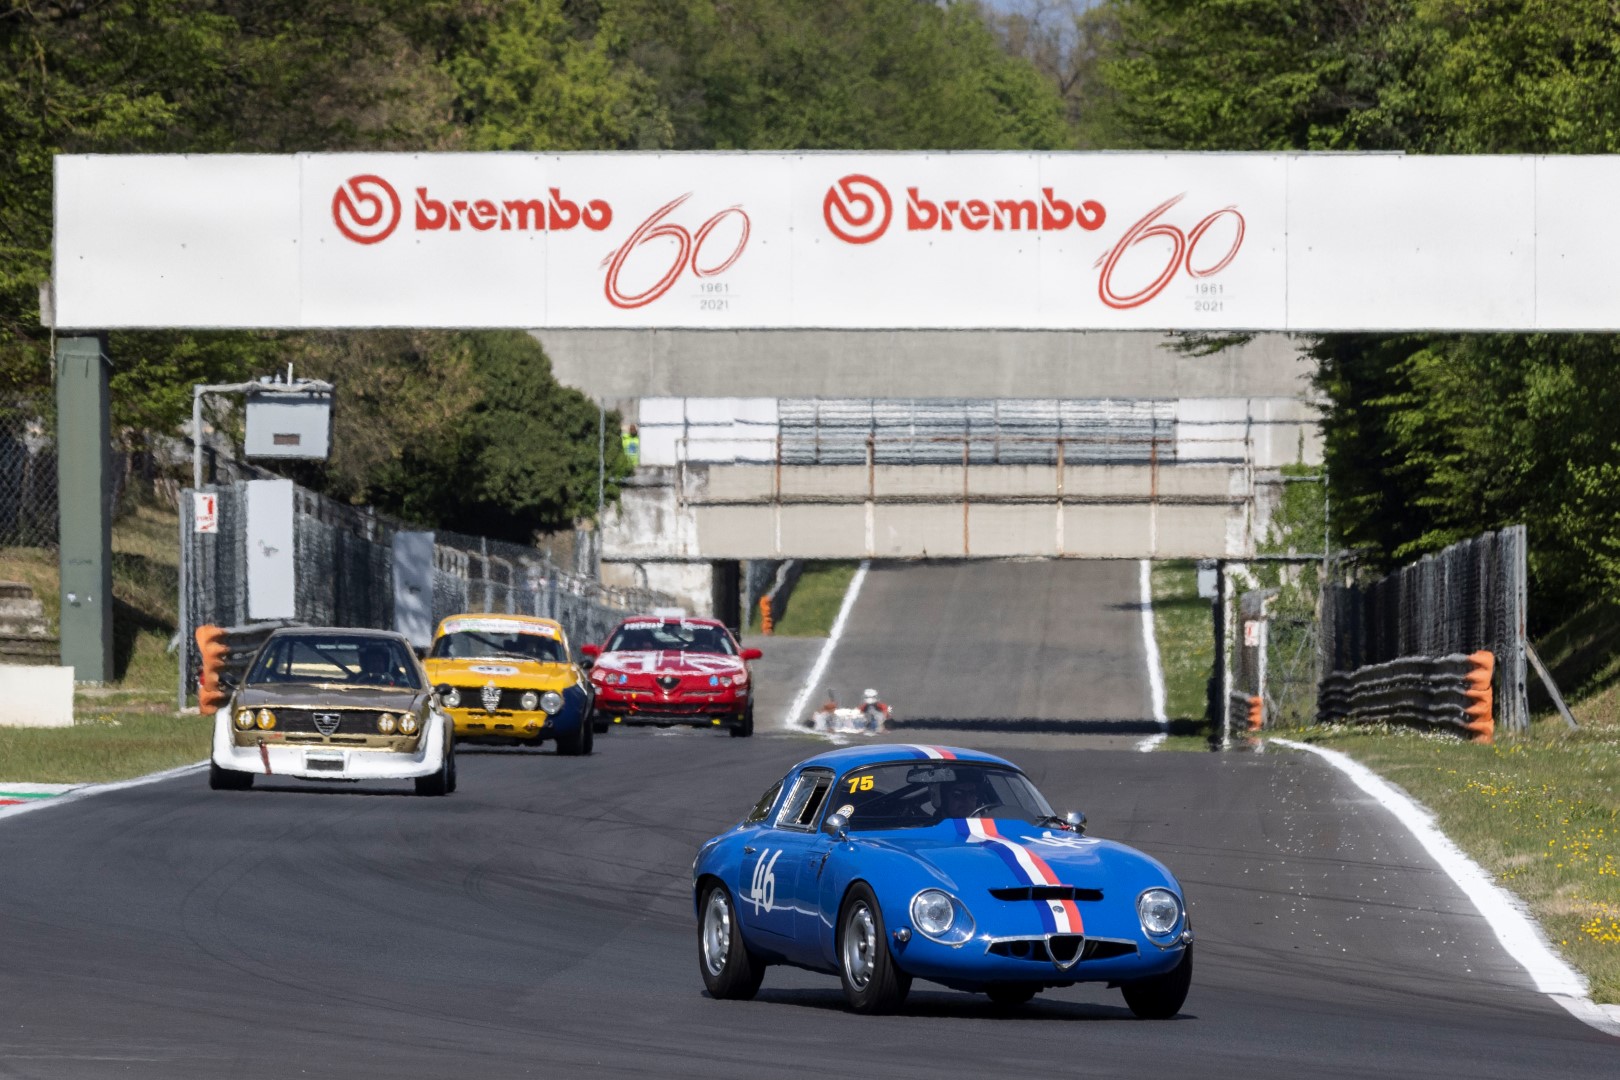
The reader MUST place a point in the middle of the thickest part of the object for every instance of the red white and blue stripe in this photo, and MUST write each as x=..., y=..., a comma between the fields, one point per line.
x=1058, y=916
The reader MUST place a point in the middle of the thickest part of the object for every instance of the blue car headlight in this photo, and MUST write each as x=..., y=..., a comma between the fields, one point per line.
x=941, y=917
x=1160, y=912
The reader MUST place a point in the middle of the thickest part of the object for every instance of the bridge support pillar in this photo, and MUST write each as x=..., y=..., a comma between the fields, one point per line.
x=725, y=592
x=84, y=496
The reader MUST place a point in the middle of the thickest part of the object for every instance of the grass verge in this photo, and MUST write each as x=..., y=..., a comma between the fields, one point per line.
x=1541, y=814
x=1181, y=624
x=129, y=728
x=816, y=598
x=115, y=737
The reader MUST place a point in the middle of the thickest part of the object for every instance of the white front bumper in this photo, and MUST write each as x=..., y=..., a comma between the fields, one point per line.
x=347, y=763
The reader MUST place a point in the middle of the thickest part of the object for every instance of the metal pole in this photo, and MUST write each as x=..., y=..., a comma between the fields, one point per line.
x=196, y=438
x=183, y=617
x=601, y=479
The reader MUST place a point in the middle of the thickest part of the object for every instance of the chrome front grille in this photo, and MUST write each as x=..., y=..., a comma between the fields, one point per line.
x=1062, y=951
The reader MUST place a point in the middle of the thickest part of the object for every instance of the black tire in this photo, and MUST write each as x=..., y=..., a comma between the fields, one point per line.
x=730, y=972
x=745, y=727
x=228, y=779
x=1161, y=997
x=442, y=782
x=873, y=983
x=1009, y=995
x=577, y=742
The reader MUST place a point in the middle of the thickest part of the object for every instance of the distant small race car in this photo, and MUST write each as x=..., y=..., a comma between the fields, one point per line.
x=884, y=864
x=668, y=670
x=333, y=705
x=510, y=679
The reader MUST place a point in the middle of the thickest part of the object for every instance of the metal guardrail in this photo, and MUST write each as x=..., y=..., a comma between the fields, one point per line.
x=1452, y=691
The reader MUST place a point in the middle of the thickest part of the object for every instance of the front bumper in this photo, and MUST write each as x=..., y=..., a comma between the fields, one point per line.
x=707, y=710
x=984, y=960
x=307, y=762
x=478, y=723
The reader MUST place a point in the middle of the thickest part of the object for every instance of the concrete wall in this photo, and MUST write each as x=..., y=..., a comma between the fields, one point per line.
x=617, y=366
x=679, y=516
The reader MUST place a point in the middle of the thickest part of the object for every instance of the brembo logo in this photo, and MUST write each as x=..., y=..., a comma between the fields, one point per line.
x=858, y=210
x=483, y=215
x=365, y=208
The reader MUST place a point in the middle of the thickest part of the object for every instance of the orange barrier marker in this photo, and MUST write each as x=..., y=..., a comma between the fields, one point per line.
x=766, y=624
x=1257, y=716
x=1481, y=723
x=211, y=644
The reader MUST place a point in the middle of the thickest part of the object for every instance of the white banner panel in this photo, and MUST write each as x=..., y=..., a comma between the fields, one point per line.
x=842, y=241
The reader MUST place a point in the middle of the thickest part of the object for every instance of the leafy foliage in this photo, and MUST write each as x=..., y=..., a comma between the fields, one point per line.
x=464, y=429
x=1429, y=437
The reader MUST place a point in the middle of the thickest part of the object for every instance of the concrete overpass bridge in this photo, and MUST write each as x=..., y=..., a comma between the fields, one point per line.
x=1054, y=445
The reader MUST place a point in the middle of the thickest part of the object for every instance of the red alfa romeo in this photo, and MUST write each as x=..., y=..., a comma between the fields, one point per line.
x=673, y=670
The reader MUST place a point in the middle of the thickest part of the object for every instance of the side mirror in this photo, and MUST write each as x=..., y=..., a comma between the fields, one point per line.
x=751, y=654
x=592, y=651
x=838, y=825
x=1076, y=820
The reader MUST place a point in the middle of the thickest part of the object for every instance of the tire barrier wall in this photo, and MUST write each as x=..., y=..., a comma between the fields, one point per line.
x=1471, y=596
x=1450, y=692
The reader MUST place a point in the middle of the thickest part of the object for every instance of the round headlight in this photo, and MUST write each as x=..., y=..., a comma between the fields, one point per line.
x=408, y=724
x=739, y=678
x=244, y=720
x=932, y=912
x=530, y=701
x=552, y=702
x=1159, y=910
x=452, y=698
x=267, y=719
x=385, y=723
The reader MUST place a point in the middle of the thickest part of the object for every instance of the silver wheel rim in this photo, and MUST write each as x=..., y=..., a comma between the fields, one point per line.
x=860, y=946
x=716, y=932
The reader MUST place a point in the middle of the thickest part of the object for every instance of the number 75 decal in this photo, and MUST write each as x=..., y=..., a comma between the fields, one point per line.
x=762, y=890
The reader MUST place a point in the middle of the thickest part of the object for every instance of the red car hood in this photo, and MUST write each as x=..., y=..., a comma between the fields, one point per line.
x=670, y=662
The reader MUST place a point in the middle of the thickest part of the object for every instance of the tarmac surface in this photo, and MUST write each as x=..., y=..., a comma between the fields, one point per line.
x=539, y=921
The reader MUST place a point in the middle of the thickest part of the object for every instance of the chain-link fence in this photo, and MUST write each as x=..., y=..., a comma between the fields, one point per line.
x=28, y=515
x=1275, y=657
x=1468, y=597
x=344, y=574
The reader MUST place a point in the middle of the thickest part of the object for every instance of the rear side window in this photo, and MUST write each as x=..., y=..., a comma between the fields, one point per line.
x=762, y=809
x=804, y=801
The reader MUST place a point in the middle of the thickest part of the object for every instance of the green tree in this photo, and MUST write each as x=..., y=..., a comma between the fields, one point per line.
x=835, y=74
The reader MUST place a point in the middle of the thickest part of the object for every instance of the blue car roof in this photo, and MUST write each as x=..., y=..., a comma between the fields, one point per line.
x=854, y=757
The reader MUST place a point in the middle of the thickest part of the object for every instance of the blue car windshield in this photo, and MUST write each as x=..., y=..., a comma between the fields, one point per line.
x=918, y=794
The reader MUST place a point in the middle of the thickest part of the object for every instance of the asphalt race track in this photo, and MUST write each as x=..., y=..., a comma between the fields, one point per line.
x=1037, y=646
x=539, y=921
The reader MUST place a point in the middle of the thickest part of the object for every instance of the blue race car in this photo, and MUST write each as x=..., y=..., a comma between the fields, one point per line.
x=881, y=864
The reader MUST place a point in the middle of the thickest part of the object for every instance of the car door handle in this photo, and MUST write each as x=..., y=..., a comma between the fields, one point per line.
x=748, y=850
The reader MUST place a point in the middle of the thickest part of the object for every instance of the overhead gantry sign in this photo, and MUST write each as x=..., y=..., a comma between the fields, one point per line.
x=847, y=241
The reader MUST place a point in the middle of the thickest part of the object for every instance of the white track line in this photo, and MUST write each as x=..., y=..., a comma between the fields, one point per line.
x=96, y=789
x=796, y=710
x=1150, y=644
x=1514, y=927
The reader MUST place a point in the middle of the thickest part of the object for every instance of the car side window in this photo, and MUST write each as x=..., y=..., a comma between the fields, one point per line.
x=762, y=809
x=803, y=803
